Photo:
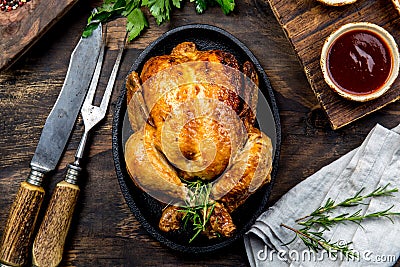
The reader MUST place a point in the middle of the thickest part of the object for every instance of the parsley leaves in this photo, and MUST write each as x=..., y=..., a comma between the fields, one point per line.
x=136, y=20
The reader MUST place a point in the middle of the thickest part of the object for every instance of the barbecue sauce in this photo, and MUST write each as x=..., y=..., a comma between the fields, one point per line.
x=359, y=62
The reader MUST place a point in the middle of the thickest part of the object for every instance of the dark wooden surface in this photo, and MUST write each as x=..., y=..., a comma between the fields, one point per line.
x=104, y=232
x=319, y=22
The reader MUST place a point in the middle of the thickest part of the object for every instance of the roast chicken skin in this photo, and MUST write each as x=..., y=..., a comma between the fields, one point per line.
x=193, y=115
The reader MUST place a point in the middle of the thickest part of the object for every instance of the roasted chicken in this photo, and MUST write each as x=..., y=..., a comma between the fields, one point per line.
x=193, y=115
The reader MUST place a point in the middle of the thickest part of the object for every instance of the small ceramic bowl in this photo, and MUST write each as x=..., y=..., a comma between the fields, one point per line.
x=337, y=2
x=360, y=56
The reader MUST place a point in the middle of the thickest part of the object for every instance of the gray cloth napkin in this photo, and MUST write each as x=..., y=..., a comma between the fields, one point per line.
x=377, y=243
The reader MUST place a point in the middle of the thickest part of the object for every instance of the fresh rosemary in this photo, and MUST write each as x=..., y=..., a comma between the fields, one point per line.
x=351, y=201
x=198, y=208
x=315, y=241
x=320, y=218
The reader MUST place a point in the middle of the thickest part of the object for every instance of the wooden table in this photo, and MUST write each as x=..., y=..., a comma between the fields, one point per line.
x=104, y=232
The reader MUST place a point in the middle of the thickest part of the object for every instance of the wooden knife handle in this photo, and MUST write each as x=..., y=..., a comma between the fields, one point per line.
x=49, y=243
x=16, y=240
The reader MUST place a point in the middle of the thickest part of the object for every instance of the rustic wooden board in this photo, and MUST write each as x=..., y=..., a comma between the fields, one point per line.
x=308, y=23
x=21, y=28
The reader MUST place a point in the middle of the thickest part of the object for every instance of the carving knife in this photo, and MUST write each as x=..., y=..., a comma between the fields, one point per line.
x=17, y=236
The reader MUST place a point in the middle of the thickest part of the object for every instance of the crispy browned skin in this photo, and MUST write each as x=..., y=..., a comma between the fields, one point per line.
x=144, y=160
x=250, y=170
x=170, y=219
x=162, y=151
x=221, y=221
x=163, y=96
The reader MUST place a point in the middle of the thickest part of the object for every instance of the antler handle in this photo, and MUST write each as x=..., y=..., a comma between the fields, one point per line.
x=49, y=243
x=17, y=235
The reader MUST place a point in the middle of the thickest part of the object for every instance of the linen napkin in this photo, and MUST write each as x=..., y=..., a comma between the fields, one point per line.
x=376, y=242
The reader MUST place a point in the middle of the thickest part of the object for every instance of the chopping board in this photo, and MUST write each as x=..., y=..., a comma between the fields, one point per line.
x=21, y=28
x=307, y=23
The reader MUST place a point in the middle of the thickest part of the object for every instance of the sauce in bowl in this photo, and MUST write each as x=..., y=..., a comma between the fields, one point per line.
x=359, y=62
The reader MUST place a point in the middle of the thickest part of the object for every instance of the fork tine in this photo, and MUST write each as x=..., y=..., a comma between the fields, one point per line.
x=96, y=74
x=111, y=81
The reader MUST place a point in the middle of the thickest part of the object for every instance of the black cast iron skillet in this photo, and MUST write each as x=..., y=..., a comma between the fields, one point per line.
x=146, y=209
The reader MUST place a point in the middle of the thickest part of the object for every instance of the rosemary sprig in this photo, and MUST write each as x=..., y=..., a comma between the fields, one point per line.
x=314, y=239
x=351, y=201
x=199, y=207
x=327, y=222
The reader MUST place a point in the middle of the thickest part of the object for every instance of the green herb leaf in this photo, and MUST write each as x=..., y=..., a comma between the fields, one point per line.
x=160, y=9
x=176, y=3
x=89, y=29
x=130, y=6
x=226, y=5
x=136, y=22
x=103, y=15
x=119, y=3
x=201, y=6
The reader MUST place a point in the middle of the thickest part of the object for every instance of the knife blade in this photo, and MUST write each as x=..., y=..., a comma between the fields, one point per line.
x=17, y=235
